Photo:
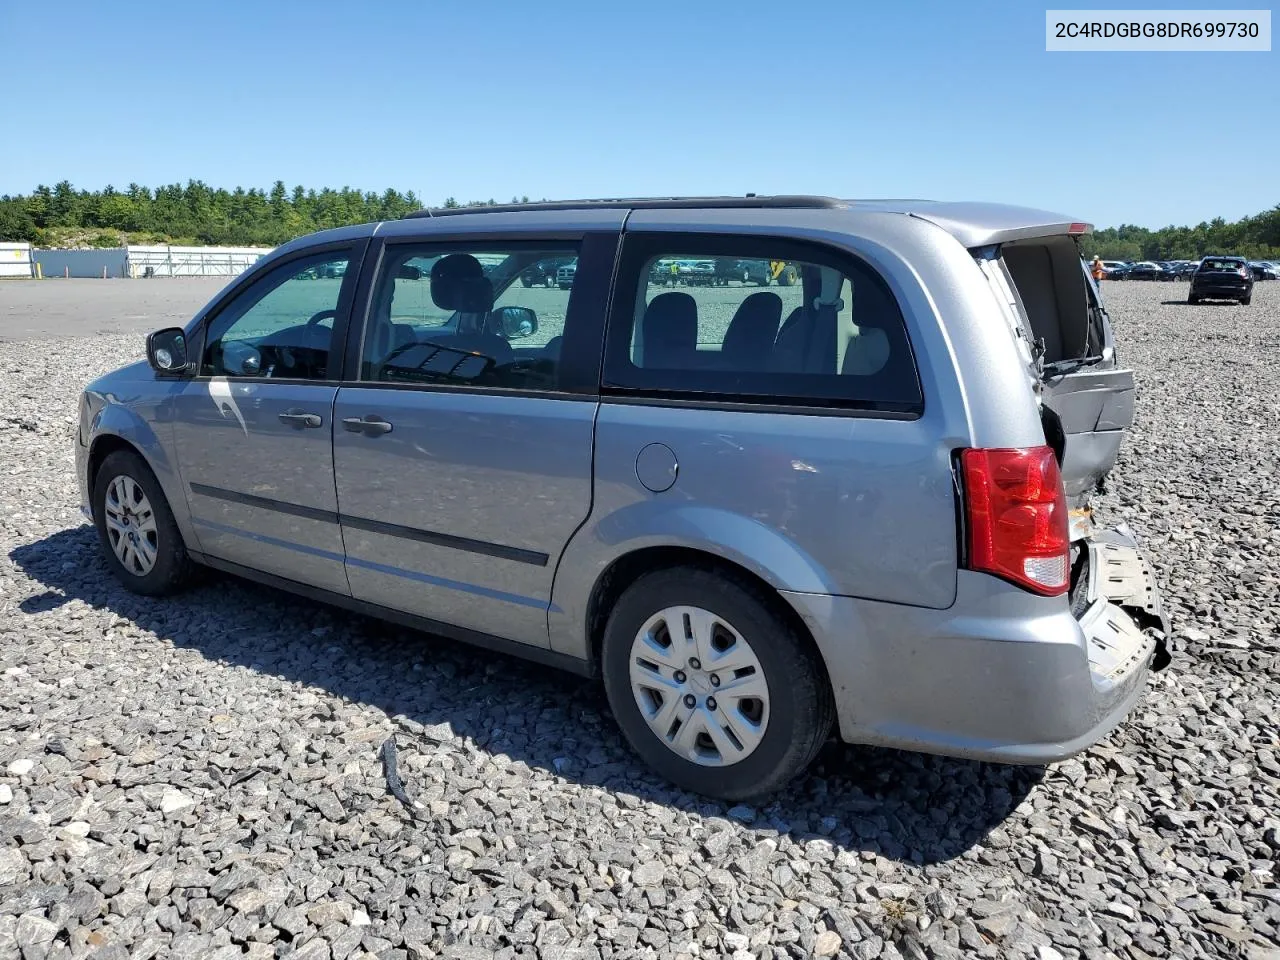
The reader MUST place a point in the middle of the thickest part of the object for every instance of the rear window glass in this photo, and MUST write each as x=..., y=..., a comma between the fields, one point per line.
x=1221, y=264
x=750, y=320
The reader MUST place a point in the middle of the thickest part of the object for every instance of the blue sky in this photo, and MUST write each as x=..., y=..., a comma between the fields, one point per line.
x=570, y=99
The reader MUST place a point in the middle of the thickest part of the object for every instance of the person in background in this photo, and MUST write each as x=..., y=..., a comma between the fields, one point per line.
x=1099, y=271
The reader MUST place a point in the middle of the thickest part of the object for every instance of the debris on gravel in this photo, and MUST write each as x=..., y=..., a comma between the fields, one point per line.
x=200, y=776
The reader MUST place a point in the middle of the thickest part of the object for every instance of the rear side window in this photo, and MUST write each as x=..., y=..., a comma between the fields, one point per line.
x=757, y=320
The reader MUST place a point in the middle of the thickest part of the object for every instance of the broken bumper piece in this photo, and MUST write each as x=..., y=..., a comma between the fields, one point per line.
x=1124, y=619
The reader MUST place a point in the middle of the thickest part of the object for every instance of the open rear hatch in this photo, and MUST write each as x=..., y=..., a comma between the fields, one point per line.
x=1086, y=396
x=1057, y=316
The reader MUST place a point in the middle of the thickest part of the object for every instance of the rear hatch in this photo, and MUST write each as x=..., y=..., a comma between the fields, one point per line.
x=1056, y=312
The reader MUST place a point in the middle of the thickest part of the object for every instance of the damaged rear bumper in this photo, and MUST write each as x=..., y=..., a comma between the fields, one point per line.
x=1002, y=674
x=1124, y=619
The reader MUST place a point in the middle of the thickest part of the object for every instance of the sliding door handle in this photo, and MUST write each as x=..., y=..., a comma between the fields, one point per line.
x=370, y=426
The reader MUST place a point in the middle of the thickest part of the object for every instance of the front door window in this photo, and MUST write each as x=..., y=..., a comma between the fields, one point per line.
x=282, y=326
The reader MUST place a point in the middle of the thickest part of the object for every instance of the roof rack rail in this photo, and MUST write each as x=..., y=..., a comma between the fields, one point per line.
x=750, y=201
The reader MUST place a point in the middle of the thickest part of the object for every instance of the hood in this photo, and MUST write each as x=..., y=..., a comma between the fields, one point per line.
x=131, y=373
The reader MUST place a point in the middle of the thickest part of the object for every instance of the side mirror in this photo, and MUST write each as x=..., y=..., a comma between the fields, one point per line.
x=167, y=351
x=515, y=323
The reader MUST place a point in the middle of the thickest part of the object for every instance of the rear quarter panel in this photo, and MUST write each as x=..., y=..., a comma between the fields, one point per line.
x=824, y=504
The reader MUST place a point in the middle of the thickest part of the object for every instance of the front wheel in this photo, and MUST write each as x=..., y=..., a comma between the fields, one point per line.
x=136, y=527
x=714, y=690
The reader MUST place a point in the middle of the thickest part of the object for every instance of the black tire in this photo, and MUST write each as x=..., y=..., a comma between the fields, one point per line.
x=526, y=282
x=801, y=707
x=1193, y=299
x=1245, y=301
x=173, y=567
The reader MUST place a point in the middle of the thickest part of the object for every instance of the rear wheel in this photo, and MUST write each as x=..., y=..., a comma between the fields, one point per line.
x=714, y=690
x=136, y=527
x=1245, y=301
x=1193, y=299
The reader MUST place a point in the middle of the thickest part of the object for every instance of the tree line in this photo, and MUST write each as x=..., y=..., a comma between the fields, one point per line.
x=1256, y=237
x=194, y=214
x=200, y=214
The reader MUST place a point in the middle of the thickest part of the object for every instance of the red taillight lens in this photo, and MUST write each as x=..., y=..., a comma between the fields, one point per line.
x=1244, y=273
x=1016, y=514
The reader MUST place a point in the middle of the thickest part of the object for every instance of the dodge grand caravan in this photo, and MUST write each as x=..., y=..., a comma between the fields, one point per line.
x=858, y=503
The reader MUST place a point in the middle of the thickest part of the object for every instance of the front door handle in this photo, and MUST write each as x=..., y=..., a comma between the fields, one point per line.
x=370, y=426
x=300, y=418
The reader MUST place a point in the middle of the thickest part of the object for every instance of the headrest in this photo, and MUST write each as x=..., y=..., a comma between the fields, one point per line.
x=671, y=318
x=670, y=330
x=754, y=326
x=458, y=283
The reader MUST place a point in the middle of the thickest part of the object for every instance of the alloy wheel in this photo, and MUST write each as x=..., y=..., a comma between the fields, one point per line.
x=131, y=525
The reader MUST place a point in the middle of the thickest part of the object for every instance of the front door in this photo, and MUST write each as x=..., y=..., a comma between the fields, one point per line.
x=254, y=430
x=463, y=456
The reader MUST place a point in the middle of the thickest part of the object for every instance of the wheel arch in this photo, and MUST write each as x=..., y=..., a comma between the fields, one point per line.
x=123, y=430
x=626, y=569
x=102, y=447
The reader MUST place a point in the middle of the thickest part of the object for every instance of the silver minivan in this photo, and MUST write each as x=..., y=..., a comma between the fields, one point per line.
x=857, y=503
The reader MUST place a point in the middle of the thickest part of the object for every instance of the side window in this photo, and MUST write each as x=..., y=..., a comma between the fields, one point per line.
x=749, y=319
x=281, y=326
x=489, y=317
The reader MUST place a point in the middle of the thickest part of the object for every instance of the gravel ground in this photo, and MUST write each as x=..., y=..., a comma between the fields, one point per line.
x=200, y=777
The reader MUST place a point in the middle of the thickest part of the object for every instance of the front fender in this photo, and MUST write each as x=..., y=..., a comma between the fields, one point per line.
x=143, y=420
x=763, y=550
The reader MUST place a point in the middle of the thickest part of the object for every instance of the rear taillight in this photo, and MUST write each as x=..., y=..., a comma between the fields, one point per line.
x=1244, y=273
x=1016, y=517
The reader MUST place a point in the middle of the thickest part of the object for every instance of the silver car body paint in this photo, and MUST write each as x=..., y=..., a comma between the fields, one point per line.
x=851, y=519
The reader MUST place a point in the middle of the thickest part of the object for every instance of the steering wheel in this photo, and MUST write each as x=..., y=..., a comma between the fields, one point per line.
x=322, y=315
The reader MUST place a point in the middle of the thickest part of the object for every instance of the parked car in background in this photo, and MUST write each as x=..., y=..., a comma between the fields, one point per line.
x=1222, y=278
x=863, y=507
x=543, y=273
x=1263, y=270
x=1116, y=269
x=698, y=273
x=1145, y=270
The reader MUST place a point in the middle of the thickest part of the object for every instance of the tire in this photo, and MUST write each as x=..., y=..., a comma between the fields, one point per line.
x=171, y=567
x=1193, y=299
x=526, y=282
x=795, y=715
x=1245, y=301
